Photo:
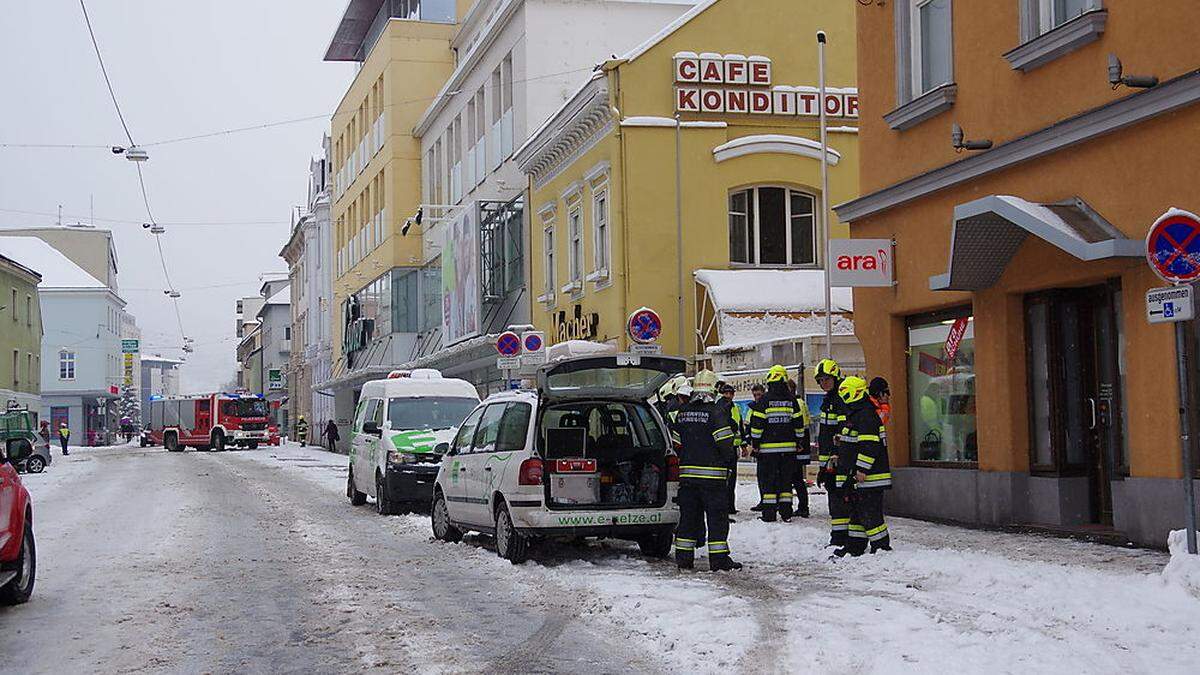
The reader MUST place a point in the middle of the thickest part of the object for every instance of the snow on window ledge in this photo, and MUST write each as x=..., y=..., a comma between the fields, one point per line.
x=572, y=287
x=1060, y=41
x=598, y=276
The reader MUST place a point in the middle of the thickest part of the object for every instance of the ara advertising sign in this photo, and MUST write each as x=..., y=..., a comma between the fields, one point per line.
x=862, y=263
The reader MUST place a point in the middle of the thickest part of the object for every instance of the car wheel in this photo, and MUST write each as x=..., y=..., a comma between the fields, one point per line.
x=356, y=498
x=171, y=443
x=20, y=588
x=383, y=505
x=443, y=529
x=252, y=446
x=656, y=545
x=510, y=544
x=35, y=464
x=218, y=442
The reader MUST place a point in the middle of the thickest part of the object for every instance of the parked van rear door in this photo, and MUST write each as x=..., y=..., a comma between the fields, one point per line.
x=629, y=377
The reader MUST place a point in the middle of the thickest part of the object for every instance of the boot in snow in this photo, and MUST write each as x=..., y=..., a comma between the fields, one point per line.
x=723, y=564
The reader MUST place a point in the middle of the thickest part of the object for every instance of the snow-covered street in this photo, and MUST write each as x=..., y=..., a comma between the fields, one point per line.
x=254, y=561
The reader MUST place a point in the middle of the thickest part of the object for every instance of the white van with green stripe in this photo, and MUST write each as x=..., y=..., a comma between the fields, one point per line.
x=402, y=427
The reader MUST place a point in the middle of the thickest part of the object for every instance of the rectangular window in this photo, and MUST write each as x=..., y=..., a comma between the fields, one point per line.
x=28, y=310
x=772, y=226
x=1043, y=16
x=13, y=304
x=287, y=332
x=455, y=135
x=548, y=252
x=438, y=172
x=16, y=366
x=480, y=139
x=932, y=45
x=506, y=101
x=575, y=255
x=941, y=387
x=600, y=243
x=405, y=301
x=66, y=365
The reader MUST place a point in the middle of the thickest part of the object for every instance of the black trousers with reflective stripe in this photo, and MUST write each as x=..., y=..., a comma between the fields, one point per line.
x=702, y=500
x=839, y=514
x=799, y=487
x=731, y=484
x=778, y=468
x=866, y=510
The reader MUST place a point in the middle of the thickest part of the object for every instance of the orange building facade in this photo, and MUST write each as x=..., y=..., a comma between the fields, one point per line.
x=1028, y=386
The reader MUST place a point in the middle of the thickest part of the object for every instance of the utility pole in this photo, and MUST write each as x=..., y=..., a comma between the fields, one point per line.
x=824, y=192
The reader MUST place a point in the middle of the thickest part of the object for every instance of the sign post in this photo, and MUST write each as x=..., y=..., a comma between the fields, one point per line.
x=508, y=346
x=644, y=327
x=1173, y=251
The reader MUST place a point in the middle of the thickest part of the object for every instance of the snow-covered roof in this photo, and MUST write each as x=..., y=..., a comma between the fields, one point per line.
x=57, y=270
x=570, y=349
x=767, y=290
x=282, y=297
x=739, y=333
x=667, y=30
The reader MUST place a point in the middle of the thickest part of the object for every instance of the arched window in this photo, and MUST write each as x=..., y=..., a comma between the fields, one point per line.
x=772, y=226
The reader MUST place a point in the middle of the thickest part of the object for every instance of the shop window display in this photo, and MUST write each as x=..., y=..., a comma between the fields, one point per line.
x=941, y=388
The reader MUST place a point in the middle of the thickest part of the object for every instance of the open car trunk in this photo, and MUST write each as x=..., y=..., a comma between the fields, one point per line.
x=601, y=454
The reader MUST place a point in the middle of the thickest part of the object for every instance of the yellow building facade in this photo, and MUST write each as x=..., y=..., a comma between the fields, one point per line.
x=722, y=102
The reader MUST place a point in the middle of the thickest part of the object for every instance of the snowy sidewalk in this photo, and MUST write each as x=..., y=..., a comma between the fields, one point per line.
x=946, y=599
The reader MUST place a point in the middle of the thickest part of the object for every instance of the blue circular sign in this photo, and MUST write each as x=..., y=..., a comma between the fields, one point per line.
x=533, y=342
x=508, y=344
x=1173, y=247
x=644, y=325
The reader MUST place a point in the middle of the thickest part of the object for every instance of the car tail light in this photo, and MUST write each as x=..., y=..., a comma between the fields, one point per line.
x=673, y=468
x=574, y=466
x=531, y=472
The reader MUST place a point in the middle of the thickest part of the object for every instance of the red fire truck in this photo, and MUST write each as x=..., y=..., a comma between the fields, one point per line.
x=209, y=421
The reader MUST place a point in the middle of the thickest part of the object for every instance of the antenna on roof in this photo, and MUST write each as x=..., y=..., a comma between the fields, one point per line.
x=59, y=221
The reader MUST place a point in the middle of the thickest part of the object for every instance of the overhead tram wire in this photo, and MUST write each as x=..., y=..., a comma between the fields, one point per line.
x=130, y=221
x=141, y=179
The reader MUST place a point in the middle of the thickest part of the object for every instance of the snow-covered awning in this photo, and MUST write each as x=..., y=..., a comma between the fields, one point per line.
x=987, y=233
x=767, y=290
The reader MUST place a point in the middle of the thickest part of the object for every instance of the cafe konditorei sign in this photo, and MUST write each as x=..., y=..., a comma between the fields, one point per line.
x=736, y=84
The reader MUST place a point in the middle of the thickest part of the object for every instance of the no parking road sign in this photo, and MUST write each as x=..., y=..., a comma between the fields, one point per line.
x=644, y=326
x=1173, y=246
x=508, y=344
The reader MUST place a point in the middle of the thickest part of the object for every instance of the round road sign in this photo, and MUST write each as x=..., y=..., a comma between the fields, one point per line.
x=1173, y=246
x=508, y=344
x=533, y=342
x=644, y=325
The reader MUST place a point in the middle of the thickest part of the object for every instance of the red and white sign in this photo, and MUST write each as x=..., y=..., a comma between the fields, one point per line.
x=732, y=83
x=1173, y=246
x=861, y=263
x=644, y=325
x=955, y=338
x=508, y=343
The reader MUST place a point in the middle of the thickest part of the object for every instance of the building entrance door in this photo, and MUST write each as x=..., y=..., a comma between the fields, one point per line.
x=1074, y=357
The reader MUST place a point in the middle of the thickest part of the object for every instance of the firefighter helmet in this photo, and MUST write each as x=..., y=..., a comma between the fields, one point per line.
x=705, y=382
x=777, y=373
x=852, y=389
x=827, y=368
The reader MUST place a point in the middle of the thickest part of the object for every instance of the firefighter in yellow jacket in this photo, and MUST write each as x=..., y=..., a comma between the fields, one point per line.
x=777, y=427
x=863, y=472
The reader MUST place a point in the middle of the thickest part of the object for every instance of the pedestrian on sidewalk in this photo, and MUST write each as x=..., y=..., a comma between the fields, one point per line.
x=776, y=427
x=831, y=419
x=701, y=435
x=863, y=471
x=735, y=422
x=44, y=432
x=302, y=431
x=64, y=434
x=331, y=435
x=802, y=457
x=757, y=391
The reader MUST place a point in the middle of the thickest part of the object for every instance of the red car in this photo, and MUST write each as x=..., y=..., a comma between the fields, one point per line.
x=18, y=556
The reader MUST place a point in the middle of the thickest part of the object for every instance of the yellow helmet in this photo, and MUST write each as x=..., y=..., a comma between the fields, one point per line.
x=705, y=382
x=852, y=389
x=777, y=373
x=827, y=368
x=667, y=390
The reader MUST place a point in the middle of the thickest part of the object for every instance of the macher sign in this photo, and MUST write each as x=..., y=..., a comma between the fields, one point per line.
x=736, y=84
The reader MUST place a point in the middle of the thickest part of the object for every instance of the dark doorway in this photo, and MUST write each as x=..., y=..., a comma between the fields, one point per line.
x=1073, y=345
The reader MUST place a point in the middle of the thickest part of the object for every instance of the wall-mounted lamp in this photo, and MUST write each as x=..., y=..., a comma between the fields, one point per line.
x=1116, y=77
x=958, y=141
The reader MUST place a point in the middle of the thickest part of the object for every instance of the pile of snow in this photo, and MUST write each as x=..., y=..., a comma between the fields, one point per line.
x=746, y=332
x=1184, y=568
x=772, y=291
x=575, y=348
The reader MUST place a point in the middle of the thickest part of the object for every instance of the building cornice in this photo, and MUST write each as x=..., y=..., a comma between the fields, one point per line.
x=1171, y=95
x=570, y=132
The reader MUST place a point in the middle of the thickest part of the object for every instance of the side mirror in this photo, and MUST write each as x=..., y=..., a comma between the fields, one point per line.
x=442, y=449
x=372, y=427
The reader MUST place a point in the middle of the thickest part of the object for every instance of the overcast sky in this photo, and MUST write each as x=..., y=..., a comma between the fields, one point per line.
x=179, y=69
